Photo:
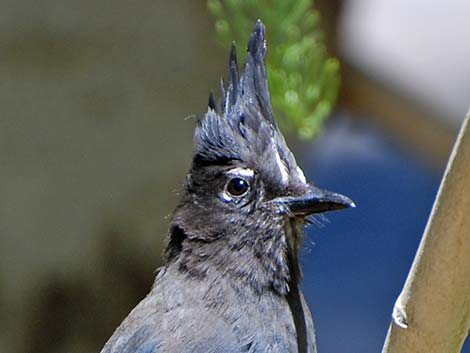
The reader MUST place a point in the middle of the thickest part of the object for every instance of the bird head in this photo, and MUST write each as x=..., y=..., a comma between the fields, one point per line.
x=245, y=198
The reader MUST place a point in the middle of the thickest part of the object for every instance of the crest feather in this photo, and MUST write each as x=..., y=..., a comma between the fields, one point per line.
x=244, y=128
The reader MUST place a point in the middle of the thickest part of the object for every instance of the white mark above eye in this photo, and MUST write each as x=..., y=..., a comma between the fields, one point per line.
x=301, y=175
x=282, y=167
x=244, y=172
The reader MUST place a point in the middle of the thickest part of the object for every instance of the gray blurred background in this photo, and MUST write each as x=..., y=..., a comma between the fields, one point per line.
x=97, y=103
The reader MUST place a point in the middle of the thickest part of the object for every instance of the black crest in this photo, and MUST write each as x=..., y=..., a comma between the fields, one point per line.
x=241, y=127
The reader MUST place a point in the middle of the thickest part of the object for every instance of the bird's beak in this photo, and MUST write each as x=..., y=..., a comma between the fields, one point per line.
x=314, y=200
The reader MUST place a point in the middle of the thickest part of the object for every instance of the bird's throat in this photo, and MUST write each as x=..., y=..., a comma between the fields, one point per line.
x=268, y=261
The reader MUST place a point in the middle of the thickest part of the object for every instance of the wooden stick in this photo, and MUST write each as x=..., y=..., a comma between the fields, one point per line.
x=432, y=313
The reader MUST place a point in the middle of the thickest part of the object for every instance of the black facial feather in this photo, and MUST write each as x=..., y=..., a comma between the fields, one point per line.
x=212, y=105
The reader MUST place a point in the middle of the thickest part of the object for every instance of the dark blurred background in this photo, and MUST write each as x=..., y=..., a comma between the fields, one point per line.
x=97, y=102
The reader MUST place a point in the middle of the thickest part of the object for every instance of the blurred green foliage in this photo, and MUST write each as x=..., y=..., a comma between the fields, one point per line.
x=303, y=80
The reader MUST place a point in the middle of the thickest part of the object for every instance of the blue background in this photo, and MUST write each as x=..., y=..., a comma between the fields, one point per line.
x=355, y=262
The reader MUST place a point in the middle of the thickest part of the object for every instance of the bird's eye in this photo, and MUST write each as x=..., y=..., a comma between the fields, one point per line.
x=237, y=186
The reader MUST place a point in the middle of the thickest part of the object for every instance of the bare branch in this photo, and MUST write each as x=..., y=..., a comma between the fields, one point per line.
x=432, y=313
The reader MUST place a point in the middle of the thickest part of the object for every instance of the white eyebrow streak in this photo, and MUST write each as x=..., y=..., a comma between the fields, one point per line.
x=301, y=175
x=282, y=167
x=246, y=172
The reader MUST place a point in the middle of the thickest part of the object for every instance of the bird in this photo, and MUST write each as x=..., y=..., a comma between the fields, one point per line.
x=231, y=279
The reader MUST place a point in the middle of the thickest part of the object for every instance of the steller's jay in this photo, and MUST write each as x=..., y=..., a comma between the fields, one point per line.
x=231, y=279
